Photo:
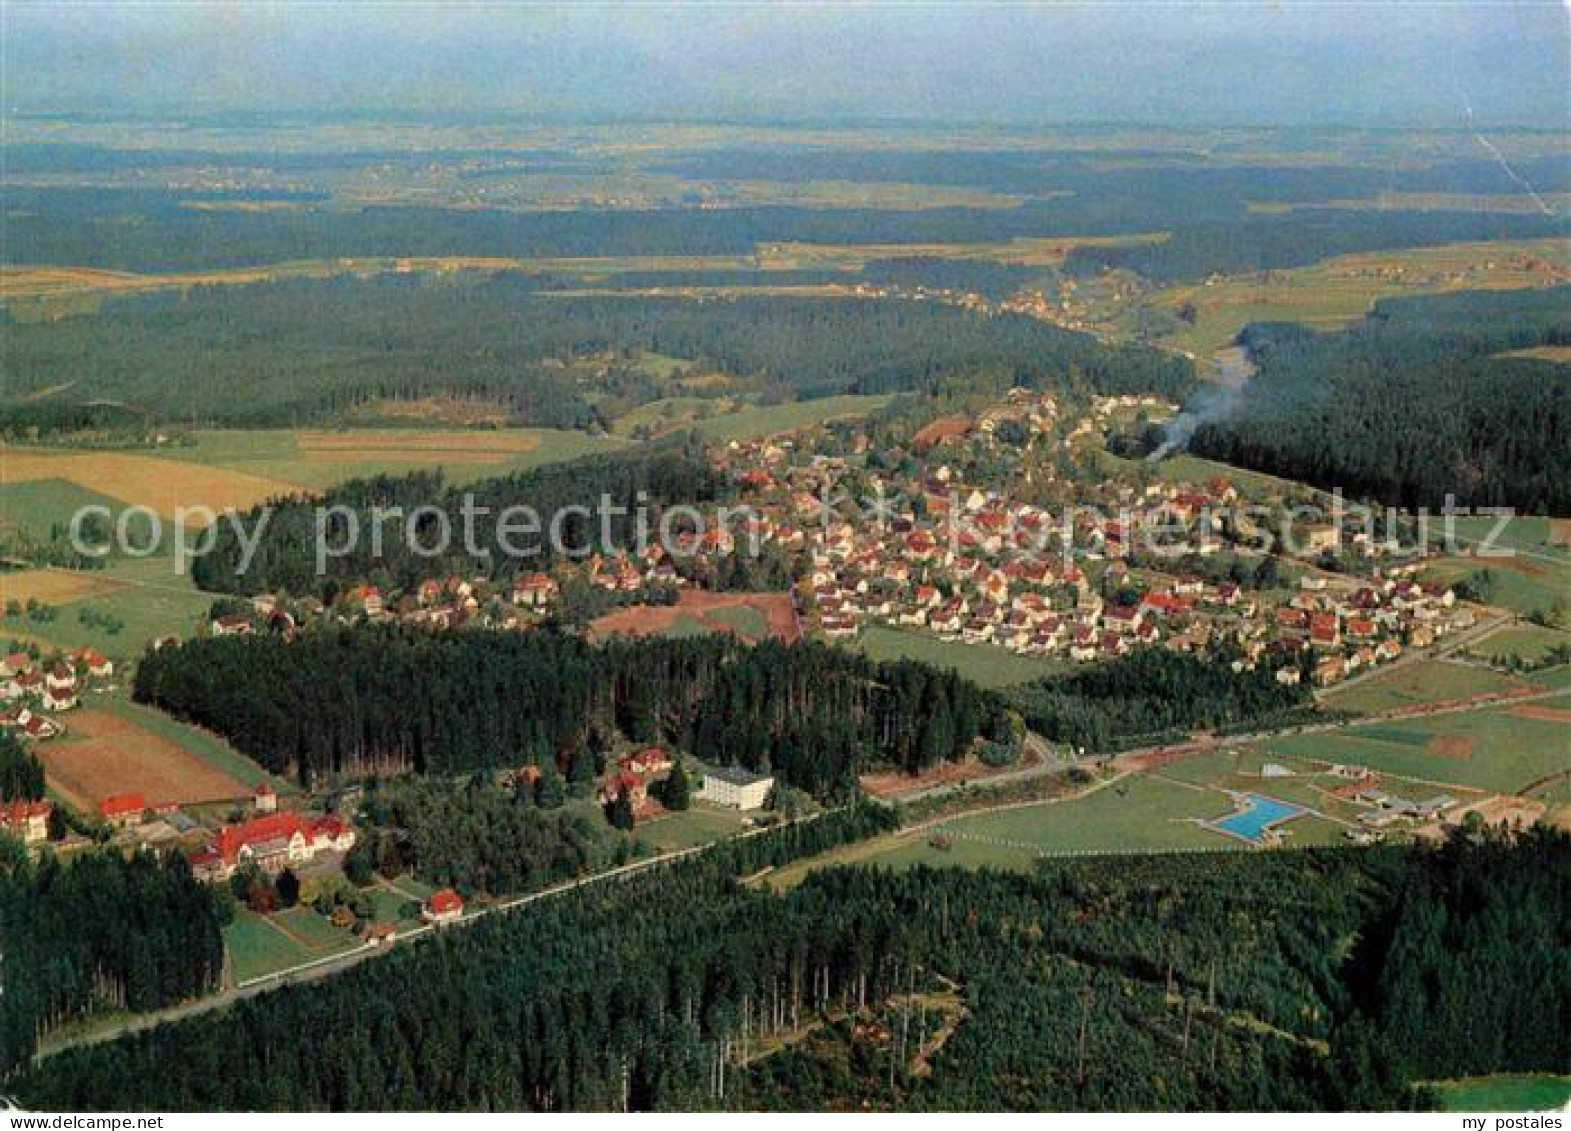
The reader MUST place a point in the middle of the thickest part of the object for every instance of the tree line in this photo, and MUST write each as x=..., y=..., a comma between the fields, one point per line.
x=1101, y=984
x=637, y=488
x=387, y=700
x=1153, y=695
x=312, y=349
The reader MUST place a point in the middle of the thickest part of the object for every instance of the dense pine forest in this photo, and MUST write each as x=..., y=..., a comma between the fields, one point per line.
x=21, y=773
x=98, y=932
x=472, y=836
x=1414, y=403
x=1138, y=983
x=1153, y=695
x=387, y=700
x=310, y=349
x=286, y=544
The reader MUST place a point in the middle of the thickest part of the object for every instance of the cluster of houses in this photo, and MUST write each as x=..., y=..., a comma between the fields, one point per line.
x=447, y=603
x=1381, y=810
x=33, y=690
x=633, y=775
x=962, y=562
x=1351, y=631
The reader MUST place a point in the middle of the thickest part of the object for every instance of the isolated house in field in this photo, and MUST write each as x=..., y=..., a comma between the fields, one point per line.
x=736, y=787
x=443, y=907
x=264, y=800
x=26, y=820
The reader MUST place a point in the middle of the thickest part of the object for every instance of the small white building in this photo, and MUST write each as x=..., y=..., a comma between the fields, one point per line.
x=736, y=787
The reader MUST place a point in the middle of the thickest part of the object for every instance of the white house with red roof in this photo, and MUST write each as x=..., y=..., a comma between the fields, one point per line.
x=273, y=843
x=27, y=820
x=443, y=907
x=123, y=810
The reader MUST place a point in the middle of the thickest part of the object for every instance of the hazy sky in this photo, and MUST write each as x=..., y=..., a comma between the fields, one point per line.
x=1281, y=63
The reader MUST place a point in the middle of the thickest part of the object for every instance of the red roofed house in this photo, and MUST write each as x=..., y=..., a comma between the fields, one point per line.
x=97, y=664
x=1167, y=604
x=123, y=809
x=280, y=840
x=650, y=760
x=443, y=907
x=264, y=800
x=28, y=820
x=59, y=698
x=534, y=590
x=618, y=784
x=1323, y=629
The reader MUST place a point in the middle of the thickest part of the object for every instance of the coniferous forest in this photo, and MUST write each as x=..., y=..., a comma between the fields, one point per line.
x=309, y=349
x=1153, y=695
x=634, y=488
x=1415, y=403
x=1139, y=983
x=385, y=700
x=97, y=932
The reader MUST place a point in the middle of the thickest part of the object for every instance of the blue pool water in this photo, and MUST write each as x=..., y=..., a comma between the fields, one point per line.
x=1259, y=813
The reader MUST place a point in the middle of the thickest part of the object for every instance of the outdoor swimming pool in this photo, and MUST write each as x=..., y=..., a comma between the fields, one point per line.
x=1257, y=816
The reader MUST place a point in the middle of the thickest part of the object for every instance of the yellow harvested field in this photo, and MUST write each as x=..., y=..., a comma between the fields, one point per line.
x=1562, y=354
x=53, y=587
x=165, y=485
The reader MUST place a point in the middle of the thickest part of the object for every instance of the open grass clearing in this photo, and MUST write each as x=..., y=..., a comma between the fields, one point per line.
x=1426, y=681
x=985, y=664
x=701, y=824
x=1513, y=1093
x=103, y=753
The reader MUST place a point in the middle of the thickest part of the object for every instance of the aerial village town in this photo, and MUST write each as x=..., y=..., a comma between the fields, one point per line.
x=932, y=543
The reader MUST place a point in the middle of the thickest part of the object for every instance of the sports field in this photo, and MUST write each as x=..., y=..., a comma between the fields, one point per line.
x=1135, y=813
